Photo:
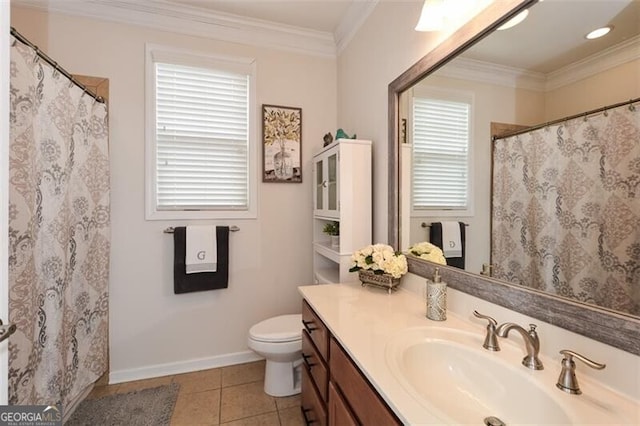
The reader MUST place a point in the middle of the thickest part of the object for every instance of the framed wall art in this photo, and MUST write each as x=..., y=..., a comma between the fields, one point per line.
x=281, y=144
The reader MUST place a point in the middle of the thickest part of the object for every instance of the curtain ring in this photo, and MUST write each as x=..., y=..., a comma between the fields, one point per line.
x=13, y=43
x=606, y=113
x=585, y=119
x=56, y=72
x=632, y=107
x=36, y=56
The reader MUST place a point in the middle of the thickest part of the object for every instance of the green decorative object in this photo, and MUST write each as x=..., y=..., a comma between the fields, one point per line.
x=332, y=228
x=340, y=134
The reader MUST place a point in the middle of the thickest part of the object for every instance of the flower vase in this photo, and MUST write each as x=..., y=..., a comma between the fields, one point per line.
x=384, y=281
x=282, y=164
x=335, y=241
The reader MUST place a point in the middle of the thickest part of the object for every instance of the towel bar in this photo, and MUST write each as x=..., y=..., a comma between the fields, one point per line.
x=170, y=229
x=426, y=225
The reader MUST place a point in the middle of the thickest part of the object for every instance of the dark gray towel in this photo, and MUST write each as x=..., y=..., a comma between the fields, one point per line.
x=435, y=237
x=201, y=281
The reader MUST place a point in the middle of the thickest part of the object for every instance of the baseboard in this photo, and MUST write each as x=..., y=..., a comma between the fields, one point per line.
x=160, y=370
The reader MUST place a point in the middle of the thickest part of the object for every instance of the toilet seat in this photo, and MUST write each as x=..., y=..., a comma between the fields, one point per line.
x=280, y=329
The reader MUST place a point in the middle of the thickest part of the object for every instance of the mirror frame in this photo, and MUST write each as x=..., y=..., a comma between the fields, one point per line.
x=613, y=328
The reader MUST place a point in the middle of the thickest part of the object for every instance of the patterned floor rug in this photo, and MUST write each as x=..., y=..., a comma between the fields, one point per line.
x=147, y=407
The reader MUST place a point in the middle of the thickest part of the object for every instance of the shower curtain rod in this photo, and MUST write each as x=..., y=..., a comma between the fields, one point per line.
x=571, y=117
x=55, y=65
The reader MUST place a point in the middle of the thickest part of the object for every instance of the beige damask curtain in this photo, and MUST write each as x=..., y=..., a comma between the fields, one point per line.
x=58, y=233
x=566, y=209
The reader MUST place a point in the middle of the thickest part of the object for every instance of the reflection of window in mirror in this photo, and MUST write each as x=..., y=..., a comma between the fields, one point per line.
x=440, y=123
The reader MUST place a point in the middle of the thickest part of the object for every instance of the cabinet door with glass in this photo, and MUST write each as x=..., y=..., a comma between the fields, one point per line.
x=326, y=177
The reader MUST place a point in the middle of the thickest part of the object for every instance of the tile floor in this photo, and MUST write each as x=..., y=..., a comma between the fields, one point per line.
x=221, y=396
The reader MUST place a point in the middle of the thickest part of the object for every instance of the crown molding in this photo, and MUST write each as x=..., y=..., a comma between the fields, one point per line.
x=161, y=15
x=621, y=53
x=486, y=72
x=351, y=22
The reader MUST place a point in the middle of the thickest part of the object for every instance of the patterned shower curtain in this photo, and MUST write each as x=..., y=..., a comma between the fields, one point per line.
x=59, y=234
x=566, y=209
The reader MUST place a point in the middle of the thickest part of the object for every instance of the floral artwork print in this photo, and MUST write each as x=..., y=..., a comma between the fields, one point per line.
x=566, y=209
x=282, y=139
x=59, y=234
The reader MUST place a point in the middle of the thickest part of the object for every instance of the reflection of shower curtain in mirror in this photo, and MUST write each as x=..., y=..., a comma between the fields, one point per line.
x=58, y=234
x=566, y=209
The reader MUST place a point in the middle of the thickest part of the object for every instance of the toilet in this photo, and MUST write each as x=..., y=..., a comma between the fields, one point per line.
x=279, y=341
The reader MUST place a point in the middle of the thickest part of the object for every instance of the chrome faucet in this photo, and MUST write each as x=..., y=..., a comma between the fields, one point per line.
x=491, y=339
x=567, y=380
x=531, y=341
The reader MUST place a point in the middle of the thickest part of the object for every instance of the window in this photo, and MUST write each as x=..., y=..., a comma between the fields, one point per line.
x=440, y=140
x=200, y=140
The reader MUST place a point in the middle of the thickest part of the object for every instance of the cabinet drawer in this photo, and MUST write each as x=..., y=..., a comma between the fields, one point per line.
x=316, y=329
x=313, y=409
x=363, y=399
x=339, y=412
x=315, y=365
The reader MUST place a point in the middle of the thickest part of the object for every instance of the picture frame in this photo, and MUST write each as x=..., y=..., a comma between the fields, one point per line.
x=281, y=144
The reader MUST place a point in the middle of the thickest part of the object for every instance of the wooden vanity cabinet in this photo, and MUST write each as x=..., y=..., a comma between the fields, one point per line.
x=334, y=391
x=315, y=372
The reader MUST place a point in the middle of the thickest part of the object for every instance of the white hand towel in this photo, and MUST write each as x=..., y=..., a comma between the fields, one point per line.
x=451, y=241
x=201, y=251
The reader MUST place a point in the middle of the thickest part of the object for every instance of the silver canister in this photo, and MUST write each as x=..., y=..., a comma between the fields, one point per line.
x=436, y=298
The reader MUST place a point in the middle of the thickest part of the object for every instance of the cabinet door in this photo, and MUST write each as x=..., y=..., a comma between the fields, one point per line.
x=313, y=409
x=326, y=188
x=319, y=185
x=339, y=412
x=366, y=405
x=333, y=189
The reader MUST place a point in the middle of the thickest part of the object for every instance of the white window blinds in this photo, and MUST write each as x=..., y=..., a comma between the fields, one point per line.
x=202, y=138
x=440, y=154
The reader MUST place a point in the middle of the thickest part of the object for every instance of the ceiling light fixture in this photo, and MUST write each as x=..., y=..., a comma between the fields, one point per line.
x=432, y=16
x=515, y=20
x=599, y=32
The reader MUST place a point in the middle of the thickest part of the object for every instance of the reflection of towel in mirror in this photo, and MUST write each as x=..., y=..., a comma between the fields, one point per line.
x=202, y=251
x=451, y=241
x=436, y=237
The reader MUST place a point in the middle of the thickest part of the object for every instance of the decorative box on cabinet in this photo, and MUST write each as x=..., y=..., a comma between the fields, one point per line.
x=334, y=391
x=341, y=193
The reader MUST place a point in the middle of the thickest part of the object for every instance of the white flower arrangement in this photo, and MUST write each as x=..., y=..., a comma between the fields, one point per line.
x=428, y=251
x=380, y=259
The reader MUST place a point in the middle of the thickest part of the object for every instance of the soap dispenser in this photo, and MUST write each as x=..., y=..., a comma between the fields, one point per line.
x=436, y=298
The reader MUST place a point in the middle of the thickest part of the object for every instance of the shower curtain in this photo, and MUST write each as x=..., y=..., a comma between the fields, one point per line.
x=566, y=209
x=59, y=234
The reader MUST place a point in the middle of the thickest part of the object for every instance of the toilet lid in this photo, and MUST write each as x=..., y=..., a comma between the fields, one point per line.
x=284, y=328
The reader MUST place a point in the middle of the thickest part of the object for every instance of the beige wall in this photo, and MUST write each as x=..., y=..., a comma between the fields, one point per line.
x=614, y=85
x=491, y=103
x=151, y=329
x=382, y=49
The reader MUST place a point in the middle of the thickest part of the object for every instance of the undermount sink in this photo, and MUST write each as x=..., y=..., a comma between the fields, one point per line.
x=450, y=374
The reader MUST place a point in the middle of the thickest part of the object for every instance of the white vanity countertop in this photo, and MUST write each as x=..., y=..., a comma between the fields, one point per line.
x=364, y=319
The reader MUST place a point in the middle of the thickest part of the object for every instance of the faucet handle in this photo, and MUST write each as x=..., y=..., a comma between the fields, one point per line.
x=567, y=380
x=487, y=317
x=491, y=339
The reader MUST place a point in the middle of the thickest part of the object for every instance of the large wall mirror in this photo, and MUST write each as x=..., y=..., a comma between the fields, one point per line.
x=540, y=71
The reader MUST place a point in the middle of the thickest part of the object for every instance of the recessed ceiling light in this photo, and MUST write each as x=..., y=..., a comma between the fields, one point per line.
x=515, y=20
x=599, y=32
